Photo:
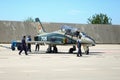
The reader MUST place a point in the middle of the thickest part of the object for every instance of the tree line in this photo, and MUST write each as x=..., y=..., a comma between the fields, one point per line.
x=94, y=19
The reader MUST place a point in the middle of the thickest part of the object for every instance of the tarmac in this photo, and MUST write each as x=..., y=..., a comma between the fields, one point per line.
x=103, y=63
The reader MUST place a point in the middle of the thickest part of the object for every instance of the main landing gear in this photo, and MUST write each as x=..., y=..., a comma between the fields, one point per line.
x=72, y=49
x=52, y=49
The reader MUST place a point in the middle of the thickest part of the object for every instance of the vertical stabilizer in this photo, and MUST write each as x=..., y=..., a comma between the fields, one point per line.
x=39, y=26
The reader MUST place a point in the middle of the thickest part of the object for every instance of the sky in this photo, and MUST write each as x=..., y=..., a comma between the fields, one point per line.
x=59, y=11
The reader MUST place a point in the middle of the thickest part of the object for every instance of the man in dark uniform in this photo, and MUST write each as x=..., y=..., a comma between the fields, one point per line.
x=29, y=45
x=77, y=33
x=23, y=46
x=79, y=53
x=37, y=46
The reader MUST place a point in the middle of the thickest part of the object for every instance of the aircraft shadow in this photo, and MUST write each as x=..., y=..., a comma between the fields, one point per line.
x=43, y=52
x=96, y=53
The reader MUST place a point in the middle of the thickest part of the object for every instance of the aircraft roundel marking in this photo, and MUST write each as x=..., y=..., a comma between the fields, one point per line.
x=44, y=38
x=39, y=27
x=65, y=40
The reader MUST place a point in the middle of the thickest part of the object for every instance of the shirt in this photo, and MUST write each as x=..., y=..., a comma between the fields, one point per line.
x=79, y=43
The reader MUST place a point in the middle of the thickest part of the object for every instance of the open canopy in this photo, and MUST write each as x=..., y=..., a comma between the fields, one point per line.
x=70, y=29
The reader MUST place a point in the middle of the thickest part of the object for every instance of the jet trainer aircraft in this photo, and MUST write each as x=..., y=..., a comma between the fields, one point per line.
x=67, y=35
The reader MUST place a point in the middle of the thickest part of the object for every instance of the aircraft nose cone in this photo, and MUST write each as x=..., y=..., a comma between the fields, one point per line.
x=88, y=40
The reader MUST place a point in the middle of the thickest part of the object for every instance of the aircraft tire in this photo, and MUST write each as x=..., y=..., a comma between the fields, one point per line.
x=87, y=52
x=55, y=50
x=49, y=50
x=71, y=50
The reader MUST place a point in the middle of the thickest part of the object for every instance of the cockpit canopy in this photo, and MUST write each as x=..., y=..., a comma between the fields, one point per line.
x=68, y=30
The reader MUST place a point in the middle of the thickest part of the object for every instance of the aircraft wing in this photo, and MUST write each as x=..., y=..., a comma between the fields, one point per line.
x=53, y=43
x=44, y=42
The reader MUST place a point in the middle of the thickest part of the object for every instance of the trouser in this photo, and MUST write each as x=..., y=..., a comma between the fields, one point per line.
x=25, y=50
x=37, y=47
x=79, y=52
x=29, y=47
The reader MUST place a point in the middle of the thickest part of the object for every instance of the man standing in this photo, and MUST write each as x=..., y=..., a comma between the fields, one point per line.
x=29, y=45
x=23, y=46
x=79, y=46
x=37, y=46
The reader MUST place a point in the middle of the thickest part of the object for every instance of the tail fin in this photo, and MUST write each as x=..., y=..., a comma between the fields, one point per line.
x=39, y=25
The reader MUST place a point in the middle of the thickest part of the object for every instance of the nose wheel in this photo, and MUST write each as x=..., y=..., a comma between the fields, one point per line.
x=87, y=50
